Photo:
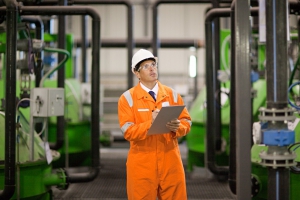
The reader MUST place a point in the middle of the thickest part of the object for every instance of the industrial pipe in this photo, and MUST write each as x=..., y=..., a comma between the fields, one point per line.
x=84, y=46
x=232, y=126
x=211, y=88
x=156, y=43
x=130, y=27
x=10, y=101
x=61, y=43
x=277, y=86
x=146, y=43
x=95, y=118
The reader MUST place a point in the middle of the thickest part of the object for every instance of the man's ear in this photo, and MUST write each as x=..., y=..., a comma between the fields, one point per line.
x=137, y=74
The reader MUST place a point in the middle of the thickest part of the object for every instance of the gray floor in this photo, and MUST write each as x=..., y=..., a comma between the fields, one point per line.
x=111, y=182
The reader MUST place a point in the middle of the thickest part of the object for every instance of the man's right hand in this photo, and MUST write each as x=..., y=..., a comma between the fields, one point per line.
x=154, y=114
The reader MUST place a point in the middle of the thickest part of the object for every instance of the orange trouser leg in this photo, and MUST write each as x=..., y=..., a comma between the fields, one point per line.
x=142, y=182
x=172, y=185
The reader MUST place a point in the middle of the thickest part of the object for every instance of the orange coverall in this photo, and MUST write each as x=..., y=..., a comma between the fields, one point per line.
x=154, y=165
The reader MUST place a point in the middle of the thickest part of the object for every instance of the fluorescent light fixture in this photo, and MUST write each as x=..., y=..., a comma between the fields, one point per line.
x=193, y=66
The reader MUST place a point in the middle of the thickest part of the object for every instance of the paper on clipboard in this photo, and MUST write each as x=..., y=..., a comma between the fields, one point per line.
x=165, y=115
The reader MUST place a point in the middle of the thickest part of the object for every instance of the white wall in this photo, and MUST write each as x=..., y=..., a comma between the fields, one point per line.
x=176, y=21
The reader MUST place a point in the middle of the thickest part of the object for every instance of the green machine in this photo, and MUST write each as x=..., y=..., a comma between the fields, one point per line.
x=34, y=177
x=38, y=167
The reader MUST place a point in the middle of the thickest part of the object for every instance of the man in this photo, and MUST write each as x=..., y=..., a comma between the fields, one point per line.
x=154, y=165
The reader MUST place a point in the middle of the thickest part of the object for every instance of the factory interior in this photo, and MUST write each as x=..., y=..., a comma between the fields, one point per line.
x=65, y=64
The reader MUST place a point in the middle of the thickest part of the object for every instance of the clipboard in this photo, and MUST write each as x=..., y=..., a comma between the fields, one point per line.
x=165, y=115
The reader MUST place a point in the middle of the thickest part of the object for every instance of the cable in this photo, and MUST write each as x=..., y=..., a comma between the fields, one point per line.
x=294, y=71
x=67, y=55
x=44, y=127
x=290, y=88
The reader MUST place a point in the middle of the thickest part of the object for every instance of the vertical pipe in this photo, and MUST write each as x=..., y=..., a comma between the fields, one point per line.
x=278, y=183
x=155, y=42
x=84, y=44
x=276, y=65
x=60, y=121
x=130, y=43
x=10, y=101
x=243, y=99
x=276, y=54
x=216, y=50
x=211, y=88
x=232, y=127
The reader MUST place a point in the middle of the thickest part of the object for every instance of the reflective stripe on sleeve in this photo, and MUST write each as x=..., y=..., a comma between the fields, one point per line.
x=126, y=126
x=174, y=95
x=128, y=97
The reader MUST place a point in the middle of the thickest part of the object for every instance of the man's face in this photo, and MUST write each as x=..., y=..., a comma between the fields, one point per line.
x=147, y=72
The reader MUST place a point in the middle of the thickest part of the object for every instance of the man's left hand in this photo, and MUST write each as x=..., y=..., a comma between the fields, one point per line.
x=173, y=125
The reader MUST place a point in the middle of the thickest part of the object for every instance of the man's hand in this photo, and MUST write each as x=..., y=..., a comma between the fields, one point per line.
x=154, y=114
x=173, y=125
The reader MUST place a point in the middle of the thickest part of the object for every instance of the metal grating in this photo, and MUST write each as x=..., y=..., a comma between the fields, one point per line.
x=111, y=185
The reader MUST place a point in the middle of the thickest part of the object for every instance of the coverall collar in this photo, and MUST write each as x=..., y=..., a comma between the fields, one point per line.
x=161, y=93
x=154, y=89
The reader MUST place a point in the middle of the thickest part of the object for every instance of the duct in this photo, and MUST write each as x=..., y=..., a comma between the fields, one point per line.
x=10, y=102
x=95, y=118
x=211, y=88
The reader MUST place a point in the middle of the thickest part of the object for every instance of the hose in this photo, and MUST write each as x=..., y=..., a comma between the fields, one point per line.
x=294, y=71
x=290, y=88
x=67, y=55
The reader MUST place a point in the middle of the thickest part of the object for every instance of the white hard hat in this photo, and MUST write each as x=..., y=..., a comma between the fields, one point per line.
x=139, y=56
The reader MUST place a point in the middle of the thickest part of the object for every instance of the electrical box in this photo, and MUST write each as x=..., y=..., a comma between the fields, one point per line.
x=47, y=102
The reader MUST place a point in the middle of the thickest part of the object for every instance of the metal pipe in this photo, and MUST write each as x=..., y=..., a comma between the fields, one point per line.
x=146, y=43
x=232, y=125
x=10, y=100
x=276, y=70
x=243, y=99
x=84, y=42
x=130, y=27
x=156, y=43
x=61, y=40
x=232, y=158
x=95, y=118
x=276, y=54
x=211, y=88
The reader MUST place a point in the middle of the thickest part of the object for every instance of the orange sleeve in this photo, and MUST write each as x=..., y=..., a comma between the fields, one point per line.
x=185, y=121
x=132, y=131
